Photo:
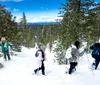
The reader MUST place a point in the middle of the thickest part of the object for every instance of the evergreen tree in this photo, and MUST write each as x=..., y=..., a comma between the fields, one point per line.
x=78, y=23
x=8, y=26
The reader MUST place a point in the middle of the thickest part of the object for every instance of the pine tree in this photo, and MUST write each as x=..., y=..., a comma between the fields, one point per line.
x=8, y=26
x=78, y=23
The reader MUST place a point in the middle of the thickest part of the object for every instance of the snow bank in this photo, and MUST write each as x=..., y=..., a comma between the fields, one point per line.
x=19, y=71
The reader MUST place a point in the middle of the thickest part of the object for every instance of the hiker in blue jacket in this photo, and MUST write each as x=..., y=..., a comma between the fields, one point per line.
x=5, y=48
x=96, y=55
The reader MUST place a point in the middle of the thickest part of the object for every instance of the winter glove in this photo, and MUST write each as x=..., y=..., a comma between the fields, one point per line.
x=42, y=59
x=85, y=49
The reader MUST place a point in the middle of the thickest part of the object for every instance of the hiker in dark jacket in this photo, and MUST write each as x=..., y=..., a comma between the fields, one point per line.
x=94, y=49
x=5, y=48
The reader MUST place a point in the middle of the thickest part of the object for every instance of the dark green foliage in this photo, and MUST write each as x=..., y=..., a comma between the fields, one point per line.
x=60, y=53
x=25, y=35
x=79, y=22
x=45, y=34
x=8, y=26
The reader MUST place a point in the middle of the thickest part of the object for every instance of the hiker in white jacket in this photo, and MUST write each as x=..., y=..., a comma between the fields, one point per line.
x=40, y=61
x=75, y=54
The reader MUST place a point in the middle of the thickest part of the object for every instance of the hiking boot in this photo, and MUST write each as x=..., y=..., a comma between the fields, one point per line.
x=35, y=71
x=9, y=59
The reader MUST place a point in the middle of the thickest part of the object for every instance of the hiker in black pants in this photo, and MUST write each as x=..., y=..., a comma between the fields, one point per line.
x=96, y=55
x=40, y=61
x=75, y=54
x=42, y=68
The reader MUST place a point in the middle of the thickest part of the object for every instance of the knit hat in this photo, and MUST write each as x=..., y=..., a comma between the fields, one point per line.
x=3, y=39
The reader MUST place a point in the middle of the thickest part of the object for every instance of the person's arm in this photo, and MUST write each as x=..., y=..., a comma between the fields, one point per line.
x=92, y=47
x=0, y=43
x=39, y=55
x=9, y=44
x=75, y=52
x=82, y=53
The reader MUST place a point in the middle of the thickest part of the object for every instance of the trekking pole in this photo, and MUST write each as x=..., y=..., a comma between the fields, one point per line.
x=89, y=63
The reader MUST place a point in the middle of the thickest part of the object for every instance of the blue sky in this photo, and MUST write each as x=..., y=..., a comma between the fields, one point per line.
x=35, y=10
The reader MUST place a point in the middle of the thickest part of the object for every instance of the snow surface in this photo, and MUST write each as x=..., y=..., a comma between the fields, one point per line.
x=18, y=71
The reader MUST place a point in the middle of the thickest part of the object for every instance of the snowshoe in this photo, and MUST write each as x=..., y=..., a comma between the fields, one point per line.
x=71, y=70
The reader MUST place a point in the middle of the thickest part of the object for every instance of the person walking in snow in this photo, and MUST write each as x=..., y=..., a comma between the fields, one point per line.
x=5, y=48
x=75, y=54
x=40, y=55
x=96, y=55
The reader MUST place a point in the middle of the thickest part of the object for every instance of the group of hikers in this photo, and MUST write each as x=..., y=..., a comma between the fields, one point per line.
x=75, y=53
x=40, y=55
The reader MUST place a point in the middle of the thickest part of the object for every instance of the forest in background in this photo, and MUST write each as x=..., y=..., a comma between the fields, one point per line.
x=81, y=21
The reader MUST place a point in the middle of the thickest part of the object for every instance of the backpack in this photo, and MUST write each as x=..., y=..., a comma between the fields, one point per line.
x=36, y=54
x=96, y=53
x=68, y=52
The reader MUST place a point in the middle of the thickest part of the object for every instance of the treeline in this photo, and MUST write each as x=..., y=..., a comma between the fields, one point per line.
x=20, y=33
x=8, y=26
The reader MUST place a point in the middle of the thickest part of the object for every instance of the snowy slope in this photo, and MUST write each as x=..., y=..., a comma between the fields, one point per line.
x=19, y=71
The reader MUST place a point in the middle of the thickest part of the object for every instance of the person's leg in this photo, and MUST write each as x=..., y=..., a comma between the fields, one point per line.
x=74, y=66
x=96, y=63
x=35, y=71
x=5, y=55
x=71, y=67
x=43, y=69
x=8, y=55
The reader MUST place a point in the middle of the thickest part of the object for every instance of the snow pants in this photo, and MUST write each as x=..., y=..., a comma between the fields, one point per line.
x=96, y=63
x=72, y=67
x=6, y=54
x=42, y=68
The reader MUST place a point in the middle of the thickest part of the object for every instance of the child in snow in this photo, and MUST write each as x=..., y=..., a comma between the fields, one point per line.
x=40, y=55
x=5, y=48
x=75, y=54
x=95, y=55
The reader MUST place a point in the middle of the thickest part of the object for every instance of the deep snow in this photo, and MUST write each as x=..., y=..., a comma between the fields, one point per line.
x=19, y=71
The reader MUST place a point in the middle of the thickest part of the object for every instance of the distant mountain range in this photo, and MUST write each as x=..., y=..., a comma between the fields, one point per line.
x=41, y=23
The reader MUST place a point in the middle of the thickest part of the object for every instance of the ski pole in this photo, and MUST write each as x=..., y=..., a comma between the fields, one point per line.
x=89, y=63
